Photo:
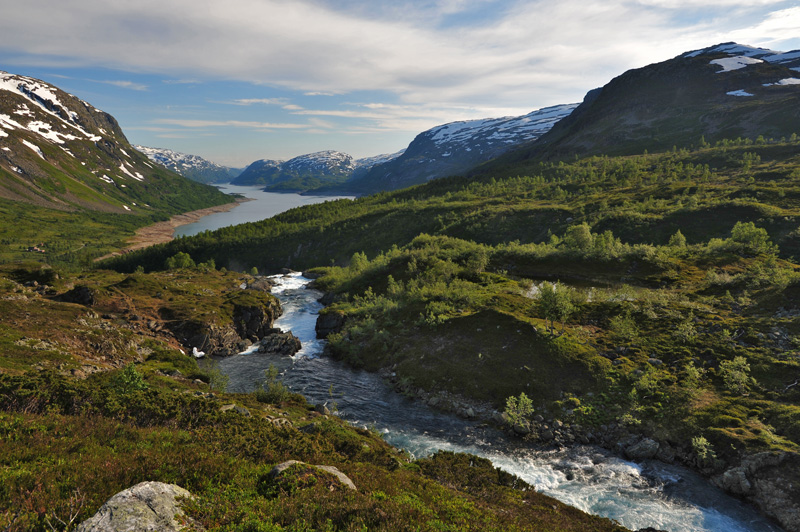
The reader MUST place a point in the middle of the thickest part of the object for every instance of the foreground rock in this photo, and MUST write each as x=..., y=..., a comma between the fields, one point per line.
x=342, y=480
x=147, y=506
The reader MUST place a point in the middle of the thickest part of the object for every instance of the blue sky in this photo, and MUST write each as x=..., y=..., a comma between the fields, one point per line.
x=239, y=80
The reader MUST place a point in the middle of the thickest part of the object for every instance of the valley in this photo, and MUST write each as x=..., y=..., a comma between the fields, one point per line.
x=606, y=304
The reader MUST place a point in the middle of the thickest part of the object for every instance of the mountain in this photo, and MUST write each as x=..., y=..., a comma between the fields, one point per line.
x=307, y=172
x=58, y=151
x=457, y=147
x=724, y=91
x=193, y=167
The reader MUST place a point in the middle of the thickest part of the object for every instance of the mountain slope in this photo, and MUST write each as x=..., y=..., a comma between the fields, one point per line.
x=58, y=151
x=193, y=167
x=724, y=91
x=456, y=147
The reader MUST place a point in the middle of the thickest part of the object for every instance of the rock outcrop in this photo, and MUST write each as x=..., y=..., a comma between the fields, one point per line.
x=329, y=322
x=341, y=479
x=146, y=507
x=769, y=480
x=279, y=343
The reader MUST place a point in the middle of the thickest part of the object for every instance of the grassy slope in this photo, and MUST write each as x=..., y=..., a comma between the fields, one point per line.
x=76, y=428
x=647, y=313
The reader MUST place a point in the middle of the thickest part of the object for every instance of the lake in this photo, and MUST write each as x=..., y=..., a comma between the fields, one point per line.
x=264, y=205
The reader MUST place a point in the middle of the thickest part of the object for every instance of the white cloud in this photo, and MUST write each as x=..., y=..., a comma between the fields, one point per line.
x=532, y=53
x=196, y=123
x=124, y=84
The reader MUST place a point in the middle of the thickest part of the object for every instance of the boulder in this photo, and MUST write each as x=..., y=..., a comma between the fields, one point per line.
x=342, y=479
x=282, y=344
x=82, y=295
x=642, y=450
x=146, y=507
x=329, y=322
x=734, y=481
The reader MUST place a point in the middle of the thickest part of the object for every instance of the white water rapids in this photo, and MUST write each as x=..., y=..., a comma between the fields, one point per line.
x=637, y=495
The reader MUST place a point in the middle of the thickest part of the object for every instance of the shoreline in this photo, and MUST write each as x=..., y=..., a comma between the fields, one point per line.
x=162, y=232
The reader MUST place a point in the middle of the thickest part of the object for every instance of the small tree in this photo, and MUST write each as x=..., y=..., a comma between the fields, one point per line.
x=579, y=237
x=555, y=302
x=518, y=409
x=735, y=374
x=358, y=262
x=273, y=390
x=677, y=240
x=180, y=261
x=129, y=380
x=253, y=271
x=752, y=239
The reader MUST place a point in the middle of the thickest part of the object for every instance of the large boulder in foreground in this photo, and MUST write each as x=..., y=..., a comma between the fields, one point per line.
x=146, y=507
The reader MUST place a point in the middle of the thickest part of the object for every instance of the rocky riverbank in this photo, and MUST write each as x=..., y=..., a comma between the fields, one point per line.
x=769, y=481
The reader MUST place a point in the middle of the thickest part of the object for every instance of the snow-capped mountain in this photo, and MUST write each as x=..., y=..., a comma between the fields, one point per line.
x=59, y=151
x=308, y=171
x=456, y=147
x=192, y=166
x=724, y=91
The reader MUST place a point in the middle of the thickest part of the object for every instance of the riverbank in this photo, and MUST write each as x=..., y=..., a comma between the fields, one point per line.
x=162, y=232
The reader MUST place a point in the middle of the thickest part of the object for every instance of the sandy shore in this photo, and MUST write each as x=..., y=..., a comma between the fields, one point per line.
x=162, y=232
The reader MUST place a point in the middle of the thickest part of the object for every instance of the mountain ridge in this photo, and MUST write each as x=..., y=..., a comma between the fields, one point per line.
x=190, y=166
x=706, y=93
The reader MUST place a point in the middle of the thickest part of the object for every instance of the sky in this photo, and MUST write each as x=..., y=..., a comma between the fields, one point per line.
x=235, y=81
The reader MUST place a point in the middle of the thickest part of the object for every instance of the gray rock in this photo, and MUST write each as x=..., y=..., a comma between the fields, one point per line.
x=329, y=322
x=522, y=429
x=146, y=507
x=642, y=450
x=734, y=481
x=282, y=344
x=343, y=479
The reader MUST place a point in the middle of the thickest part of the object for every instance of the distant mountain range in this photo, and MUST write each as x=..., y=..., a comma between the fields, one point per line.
x=192, y=166
x=720, y=92
x=310, y=171
x=444, y=150
x=58, y=151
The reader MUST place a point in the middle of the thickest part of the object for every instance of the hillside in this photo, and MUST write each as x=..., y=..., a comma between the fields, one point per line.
x=457, y=147
x=64, y=163
x=720, y=92
x=192, y=167
x=682, y=275
x=105, y=399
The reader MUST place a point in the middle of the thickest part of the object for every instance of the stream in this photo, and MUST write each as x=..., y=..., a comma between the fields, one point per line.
x=637, y=495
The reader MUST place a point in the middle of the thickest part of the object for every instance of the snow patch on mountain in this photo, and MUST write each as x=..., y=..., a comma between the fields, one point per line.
x=45, y=98
x=740, y=92
x=786, y=81
x=737, y=51
x=506, y=130
x=735, y=63
x=34, y=147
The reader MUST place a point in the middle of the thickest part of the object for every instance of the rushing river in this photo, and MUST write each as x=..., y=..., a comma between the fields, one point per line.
x=263, y=206
x=637, y=495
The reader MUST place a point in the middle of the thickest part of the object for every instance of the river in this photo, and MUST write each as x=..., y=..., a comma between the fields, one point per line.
x=265, y=205
x=637, y=495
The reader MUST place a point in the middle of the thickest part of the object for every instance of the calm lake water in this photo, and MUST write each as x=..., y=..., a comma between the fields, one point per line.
x=265, y=205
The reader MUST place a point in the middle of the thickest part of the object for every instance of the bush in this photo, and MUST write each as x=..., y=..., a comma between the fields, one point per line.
x=272, y=391
x=518, y=409
x=735, y=374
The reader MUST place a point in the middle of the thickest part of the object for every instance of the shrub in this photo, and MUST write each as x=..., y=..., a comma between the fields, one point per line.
x=272, y=390
x=518, y=408
x=735, y=374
